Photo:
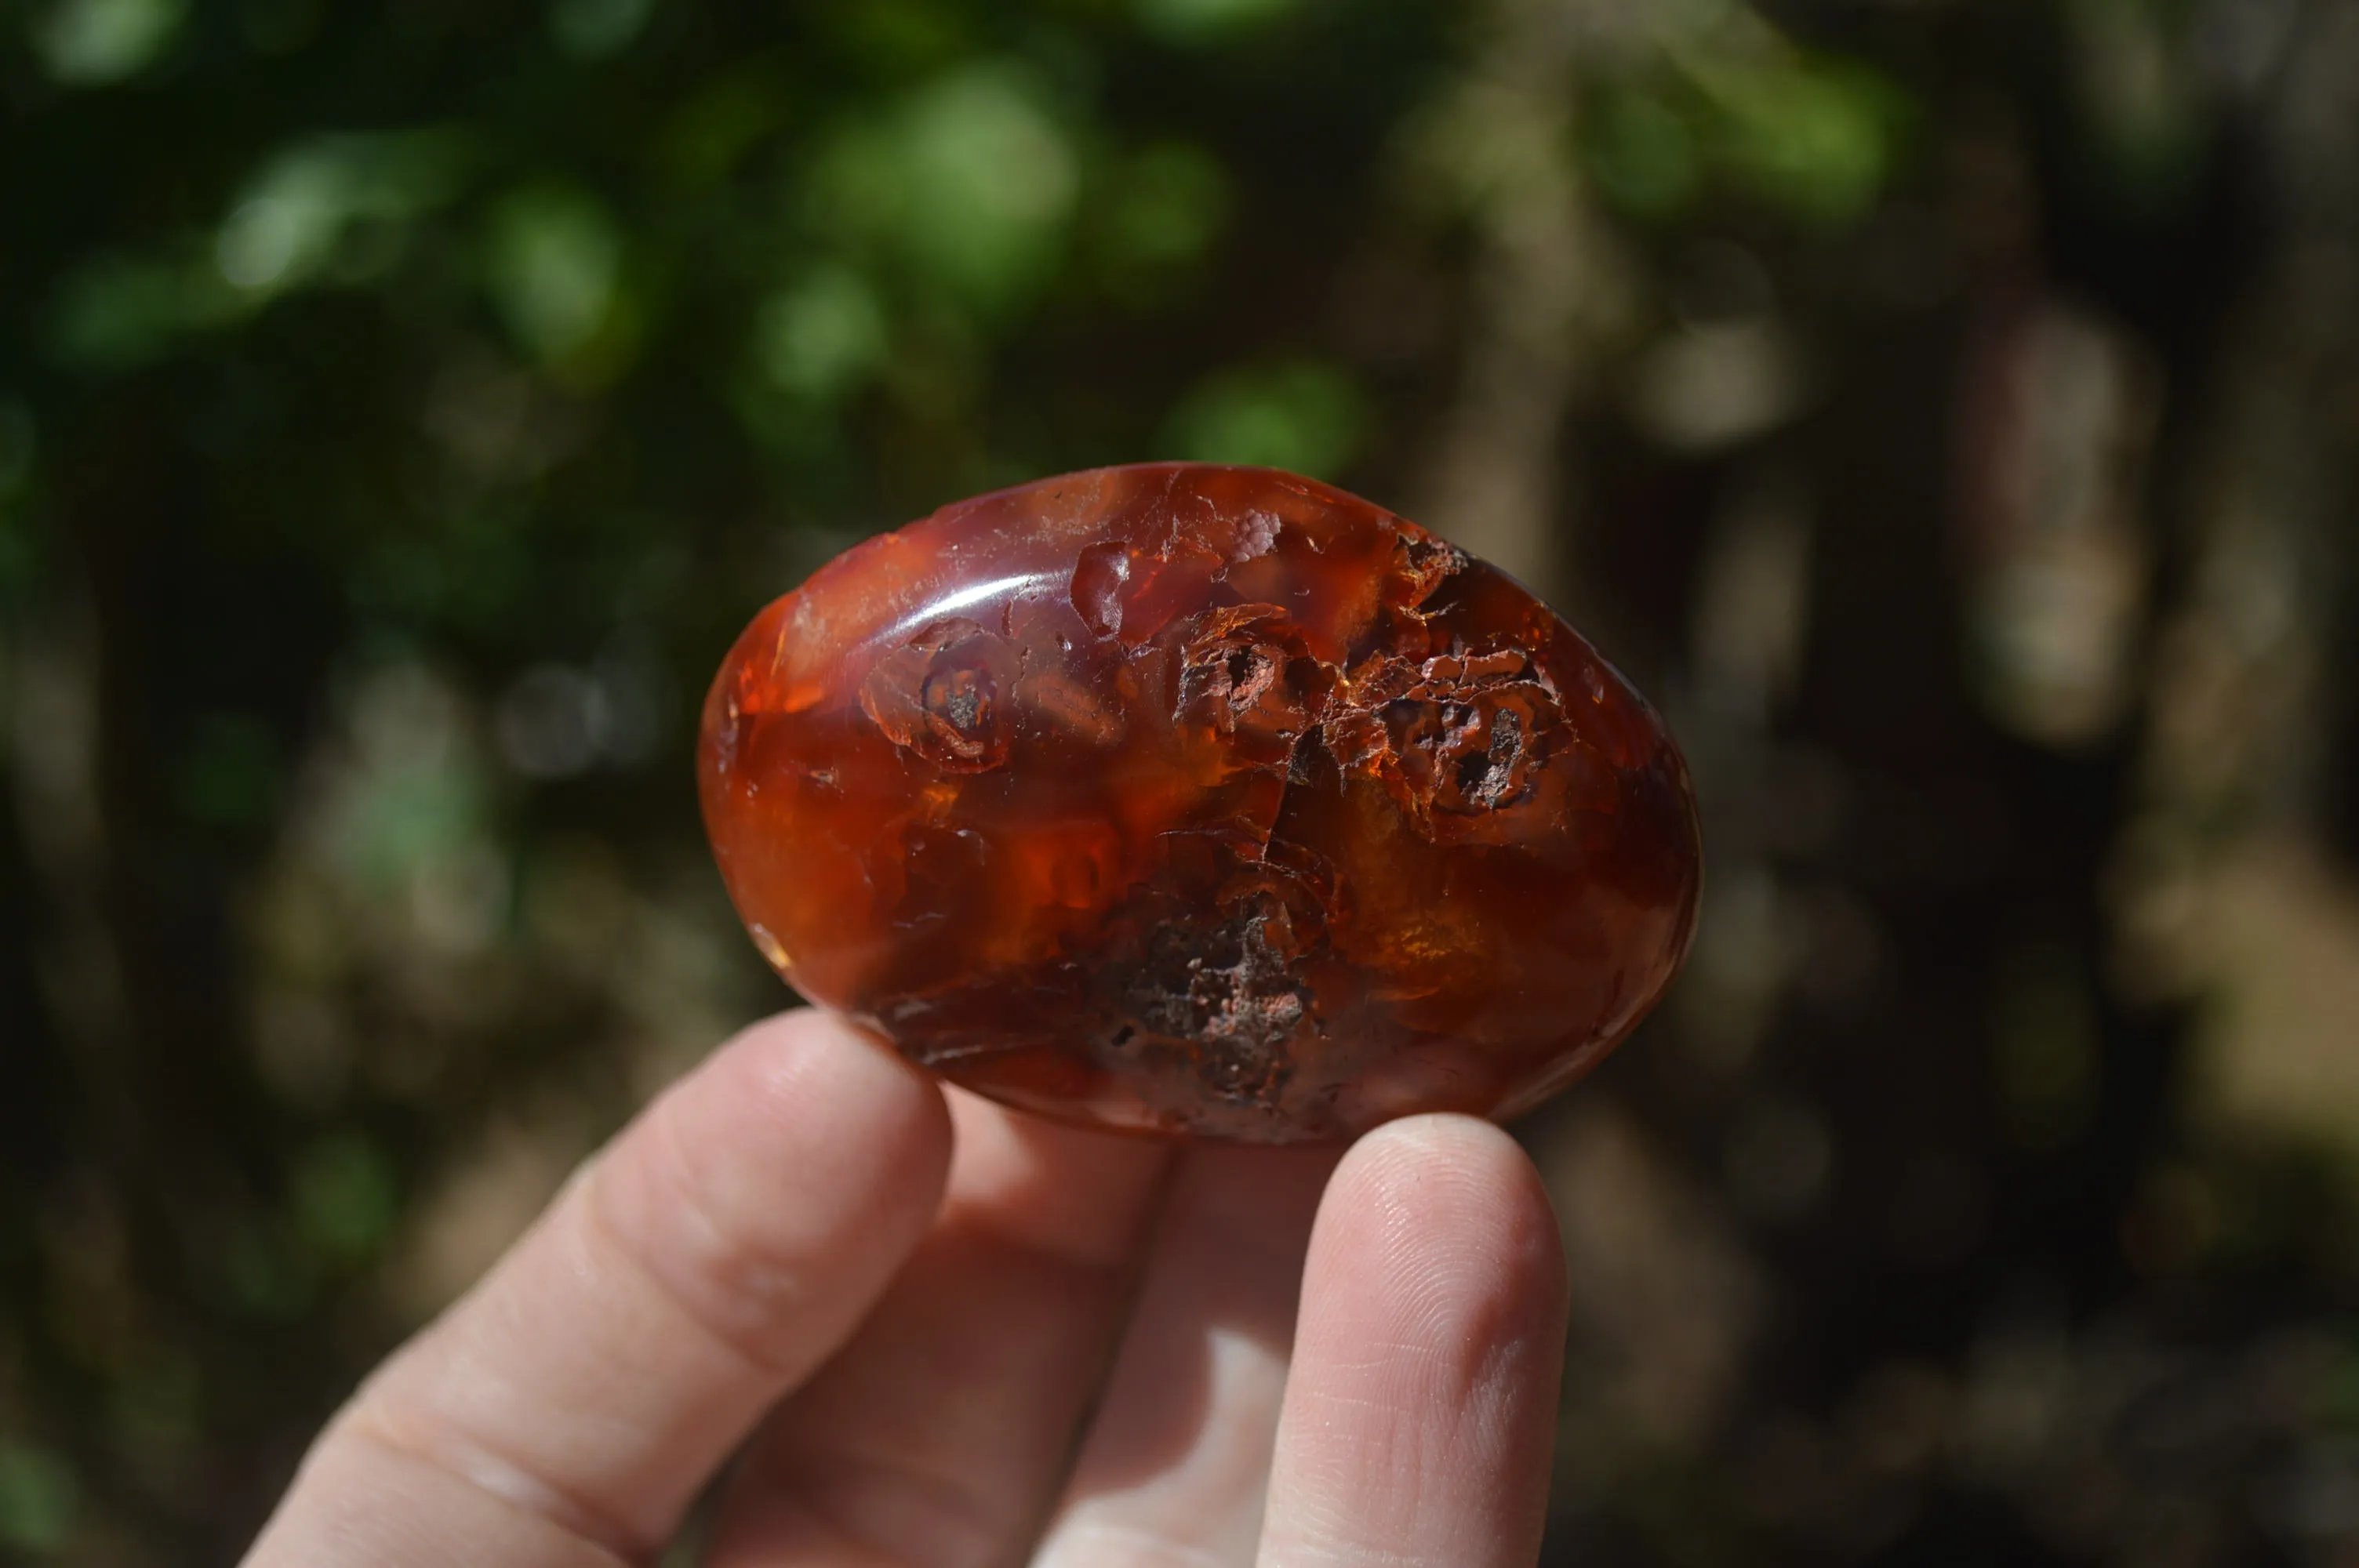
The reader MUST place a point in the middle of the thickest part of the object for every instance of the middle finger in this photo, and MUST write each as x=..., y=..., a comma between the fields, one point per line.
x=1176, y=1467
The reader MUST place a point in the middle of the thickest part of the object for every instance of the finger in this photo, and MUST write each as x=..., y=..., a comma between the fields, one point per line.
x=1422, y=1410
x=705, y=1262
x=1174, y=1468
x=940, y=1433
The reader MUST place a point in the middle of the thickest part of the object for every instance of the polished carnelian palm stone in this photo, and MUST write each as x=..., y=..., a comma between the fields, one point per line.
x=1201, y=800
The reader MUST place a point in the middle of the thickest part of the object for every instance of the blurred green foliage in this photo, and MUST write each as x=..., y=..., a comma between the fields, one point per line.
x=402, y=405
x=38, y=1498
x=1815, y=137
x=1301, y=415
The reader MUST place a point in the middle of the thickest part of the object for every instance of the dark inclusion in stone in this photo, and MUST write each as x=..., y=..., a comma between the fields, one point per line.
x=1201, y=800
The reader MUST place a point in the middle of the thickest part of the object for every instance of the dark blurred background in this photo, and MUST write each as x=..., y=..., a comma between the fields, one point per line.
x=1948, y=411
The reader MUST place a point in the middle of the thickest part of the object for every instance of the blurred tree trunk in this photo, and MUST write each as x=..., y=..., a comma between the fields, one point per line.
x=1546, y=285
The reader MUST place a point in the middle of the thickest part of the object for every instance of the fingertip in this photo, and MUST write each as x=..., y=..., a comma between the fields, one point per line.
x=1420, y=1414
x=783, y=1064
x=1451, y=1196
x=802, y=1137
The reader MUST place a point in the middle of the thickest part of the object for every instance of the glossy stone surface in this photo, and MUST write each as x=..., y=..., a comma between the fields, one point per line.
x=1201, y=800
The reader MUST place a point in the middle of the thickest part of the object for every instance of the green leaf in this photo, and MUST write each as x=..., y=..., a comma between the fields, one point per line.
x=556, y=265
x=823, y=336
x=117, y=312
x=346, y=1199
x=39, y=1498
x=1208, y=21
x=971, y=184
x=593, y=29
x=1159, y=213
x=1642, y=151
x=1816, y=137
x=91, y=43
x=296, y=220
x=1299, y=415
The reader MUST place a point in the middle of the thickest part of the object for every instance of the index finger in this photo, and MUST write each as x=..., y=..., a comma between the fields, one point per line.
x=571, y=1406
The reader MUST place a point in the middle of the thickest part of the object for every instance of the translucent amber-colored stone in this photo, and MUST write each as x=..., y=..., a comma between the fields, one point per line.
x=1201, y=800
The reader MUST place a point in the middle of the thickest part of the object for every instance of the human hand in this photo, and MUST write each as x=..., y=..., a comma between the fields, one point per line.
x=959, y=1335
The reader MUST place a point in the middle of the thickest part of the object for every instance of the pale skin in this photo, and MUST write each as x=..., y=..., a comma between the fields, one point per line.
x=921, y=1330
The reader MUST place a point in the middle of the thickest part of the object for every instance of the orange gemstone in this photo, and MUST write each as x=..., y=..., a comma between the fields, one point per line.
x=1201, y=800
